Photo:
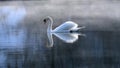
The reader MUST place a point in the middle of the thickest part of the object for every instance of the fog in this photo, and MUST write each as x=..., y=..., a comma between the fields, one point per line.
x=10, y=33
x=95, y=14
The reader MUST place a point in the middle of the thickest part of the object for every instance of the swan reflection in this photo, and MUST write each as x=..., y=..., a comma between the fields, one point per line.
x=66, y=37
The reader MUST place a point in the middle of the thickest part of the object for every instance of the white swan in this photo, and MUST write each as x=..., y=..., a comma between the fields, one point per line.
x=68, y=26
x=66, y=31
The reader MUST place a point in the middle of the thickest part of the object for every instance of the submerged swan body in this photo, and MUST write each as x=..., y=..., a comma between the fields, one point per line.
x=68, y=26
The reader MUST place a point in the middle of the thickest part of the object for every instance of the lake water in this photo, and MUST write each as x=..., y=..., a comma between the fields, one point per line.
x=97, y=49
x=26, y=46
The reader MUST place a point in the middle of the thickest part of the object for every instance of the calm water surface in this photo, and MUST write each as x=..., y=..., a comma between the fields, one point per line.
x=97, y=49
x=25, y=46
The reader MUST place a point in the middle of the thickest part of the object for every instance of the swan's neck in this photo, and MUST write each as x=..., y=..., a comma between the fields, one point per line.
x=50, y=22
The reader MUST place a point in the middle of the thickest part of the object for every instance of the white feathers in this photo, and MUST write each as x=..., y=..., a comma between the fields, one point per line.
x=69, y=25
x=63, y=31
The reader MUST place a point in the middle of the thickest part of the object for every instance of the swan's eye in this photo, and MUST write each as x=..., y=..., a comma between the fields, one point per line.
x=44, y=20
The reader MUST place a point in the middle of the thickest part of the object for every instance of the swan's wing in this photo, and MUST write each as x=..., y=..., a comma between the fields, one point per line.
x=67, y=37
x=66, y=26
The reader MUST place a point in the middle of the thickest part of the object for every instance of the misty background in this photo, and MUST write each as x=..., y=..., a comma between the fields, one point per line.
x=94, y=14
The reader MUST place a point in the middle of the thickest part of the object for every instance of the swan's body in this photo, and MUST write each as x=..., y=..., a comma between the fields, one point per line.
x=68, y=26
x=65, y=31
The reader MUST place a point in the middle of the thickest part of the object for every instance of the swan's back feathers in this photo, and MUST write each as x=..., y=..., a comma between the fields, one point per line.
x=66, y=26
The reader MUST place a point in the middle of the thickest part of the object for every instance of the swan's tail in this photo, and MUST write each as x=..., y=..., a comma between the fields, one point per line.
x=78, y=29
x=82, y=27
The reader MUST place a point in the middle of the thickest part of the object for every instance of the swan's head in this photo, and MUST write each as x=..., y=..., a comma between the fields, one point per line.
x=48, y=18
x=45, y=21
